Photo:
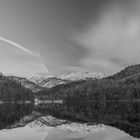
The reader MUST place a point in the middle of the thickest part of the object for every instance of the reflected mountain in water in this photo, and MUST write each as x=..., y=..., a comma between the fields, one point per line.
x=83, y=116
x=50, y=121
x=122, y=115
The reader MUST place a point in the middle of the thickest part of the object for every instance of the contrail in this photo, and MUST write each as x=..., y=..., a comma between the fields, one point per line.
x=17, y=45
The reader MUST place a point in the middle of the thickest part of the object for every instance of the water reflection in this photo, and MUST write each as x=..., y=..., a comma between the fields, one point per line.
x=122, y=115
x=12, y=113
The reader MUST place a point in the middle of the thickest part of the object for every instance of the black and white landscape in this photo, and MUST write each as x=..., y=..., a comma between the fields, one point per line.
x=69, y=70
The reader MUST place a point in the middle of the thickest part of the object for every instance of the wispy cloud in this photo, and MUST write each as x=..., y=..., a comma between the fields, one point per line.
x=17, y=46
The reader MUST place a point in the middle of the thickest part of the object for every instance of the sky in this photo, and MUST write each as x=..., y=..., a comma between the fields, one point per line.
x=56, y=36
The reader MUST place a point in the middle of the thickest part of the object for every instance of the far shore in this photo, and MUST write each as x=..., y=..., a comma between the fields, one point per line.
x=49, y=101
x=62, y=101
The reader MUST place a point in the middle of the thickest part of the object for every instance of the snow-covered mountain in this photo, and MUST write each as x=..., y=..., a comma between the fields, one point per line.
x=52, y=81
x=45, y=80
x=81, y=75
x=39, y=77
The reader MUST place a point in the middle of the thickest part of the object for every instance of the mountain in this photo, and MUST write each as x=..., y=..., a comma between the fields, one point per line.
x=10, y=90
x=128, y=71
x=81, y=75
x=52, y=81
x=124, y=85
x=25, y=83
x=39, y=77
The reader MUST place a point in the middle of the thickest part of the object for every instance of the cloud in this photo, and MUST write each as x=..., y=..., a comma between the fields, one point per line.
x=17, y=45
x=114, y=41
x=97, y=35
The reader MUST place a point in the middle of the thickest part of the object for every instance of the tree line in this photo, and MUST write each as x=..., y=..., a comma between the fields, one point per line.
x=12, y=91
x=104, y=89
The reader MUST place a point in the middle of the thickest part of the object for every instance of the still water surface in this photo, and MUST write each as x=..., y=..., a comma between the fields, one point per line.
x=70, y=121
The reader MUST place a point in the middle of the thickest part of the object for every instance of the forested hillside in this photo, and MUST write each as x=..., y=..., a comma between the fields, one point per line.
x=25, y=83
x=122, y=86
x=128, y=71
x=12, y=91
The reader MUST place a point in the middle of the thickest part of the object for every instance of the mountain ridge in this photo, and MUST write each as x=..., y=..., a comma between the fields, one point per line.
x=128, y=71
x=66, y=78
x=125, y=85
x=25, y=83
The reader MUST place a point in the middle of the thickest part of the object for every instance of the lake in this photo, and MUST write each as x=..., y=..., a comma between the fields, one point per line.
x=70, y=121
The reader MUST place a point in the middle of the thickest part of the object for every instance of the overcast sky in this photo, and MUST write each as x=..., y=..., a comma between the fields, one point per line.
x=58, y=36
